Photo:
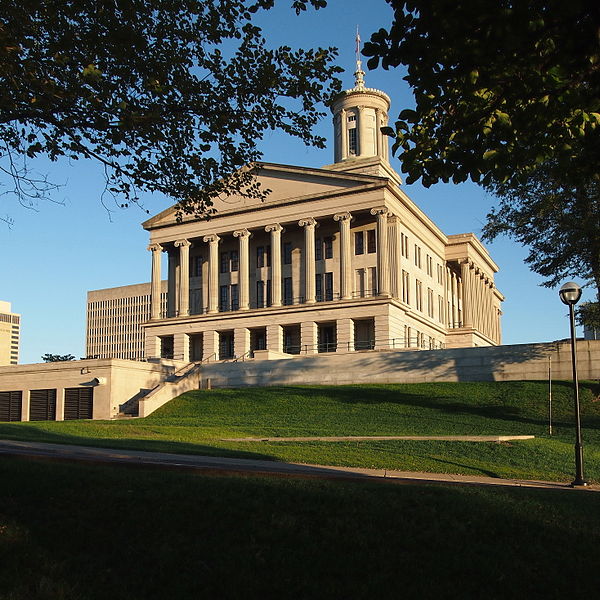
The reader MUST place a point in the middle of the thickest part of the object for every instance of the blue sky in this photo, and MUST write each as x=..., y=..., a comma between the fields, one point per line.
x=53, y=255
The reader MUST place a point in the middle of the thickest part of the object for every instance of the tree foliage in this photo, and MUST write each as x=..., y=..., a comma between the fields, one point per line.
x=558, y=220
x=501, y=87
x=57, y=357
x=168, y=97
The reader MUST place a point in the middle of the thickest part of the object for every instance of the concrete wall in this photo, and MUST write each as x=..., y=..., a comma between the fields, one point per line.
x=121, y=380
x=499, y=363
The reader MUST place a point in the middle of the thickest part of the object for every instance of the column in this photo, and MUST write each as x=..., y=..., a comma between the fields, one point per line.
x=275, y=338
x=395, y=256
x=383, y=268
x=244, y=273
x=275, y=230
x=344, y=219
x=241, y=341
x=25, y=405
x=454, y=293
x=184, y=277
x=181, y=347
x=156, y=250
x=210, y=346
x=172, y=283
x=345, y=335
x=308, y=337
x=60, y=404
x=213, y=272
x=361, y=133
x=465, y=271
x=309, y=225
x=344, y=130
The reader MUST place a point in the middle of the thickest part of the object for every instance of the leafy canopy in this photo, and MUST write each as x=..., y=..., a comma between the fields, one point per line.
x=501, y=86
x=57, y=357
x=169, y=97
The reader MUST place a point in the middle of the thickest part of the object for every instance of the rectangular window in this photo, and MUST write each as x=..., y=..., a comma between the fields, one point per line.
x=234, y=260
x=417, y=256
x=224, y=298
x=263, y=256
x=440, y=309
x=359, y=243
x=318, y=249
x=328, y=247
x=429, y=266
x=360, y=283
x=224, y=268
x=373, y=281
x=404, y=245
x=440, y=274
x=196, y=266
x=328, y=287
x=269, y=299
x=235, y=297
x=319, y=287
x=260, y=294
x=288, y=291
x=419, y=295
x=405, y=287
x=371, y=244
x=287, y=253
x=430, y=302
x=352, y=146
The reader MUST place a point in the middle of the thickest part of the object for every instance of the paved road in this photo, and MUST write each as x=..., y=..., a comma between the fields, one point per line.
x=241, y=465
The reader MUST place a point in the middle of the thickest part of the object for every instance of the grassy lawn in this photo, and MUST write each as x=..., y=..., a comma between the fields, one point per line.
x=198, y=421
x=85, y=532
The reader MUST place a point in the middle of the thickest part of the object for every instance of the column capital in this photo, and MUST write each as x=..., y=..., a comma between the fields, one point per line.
x=274, y=228
x=155, y=248
x=342, y=216
x=307, y=222
x=182, y=243
x=380, y=211
x=241, y=233
x=211, y=239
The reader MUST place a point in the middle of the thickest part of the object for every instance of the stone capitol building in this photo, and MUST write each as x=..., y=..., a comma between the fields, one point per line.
x=337, y=259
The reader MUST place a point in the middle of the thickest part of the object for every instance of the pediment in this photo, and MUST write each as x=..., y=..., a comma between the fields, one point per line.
x=285, y=183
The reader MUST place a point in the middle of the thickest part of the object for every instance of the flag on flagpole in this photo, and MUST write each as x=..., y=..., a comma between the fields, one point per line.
x=357, y=41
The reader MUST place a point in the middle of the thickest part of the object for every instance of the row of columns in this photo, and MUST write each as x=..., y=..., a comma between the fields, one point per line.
x=381, y=146
x=309, y=224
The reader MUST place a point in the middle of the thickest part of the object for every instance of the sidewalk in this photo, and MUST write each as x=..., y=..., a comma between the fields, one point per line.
x=265, y=467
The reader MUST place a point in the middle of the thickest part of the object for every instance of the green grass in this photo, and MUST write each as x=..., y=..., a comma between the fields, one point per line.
x=197, y=421
x=87, y=532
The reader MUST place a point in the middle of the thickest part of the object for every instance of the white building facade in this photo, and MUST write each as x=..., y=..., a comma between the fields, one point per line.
x=337, y=259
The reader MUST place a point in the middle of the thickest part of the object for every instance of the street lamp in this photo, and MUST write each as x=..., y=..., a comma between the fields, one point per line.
x=570, y=293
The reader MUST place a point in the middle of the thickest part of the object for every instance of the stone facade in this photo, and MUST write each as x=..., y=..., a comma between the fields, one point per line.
x=337, y=259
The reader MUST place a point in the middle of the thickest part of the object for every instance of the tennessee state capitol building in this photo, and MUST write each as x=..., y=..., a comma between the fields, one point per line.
x=337, y=259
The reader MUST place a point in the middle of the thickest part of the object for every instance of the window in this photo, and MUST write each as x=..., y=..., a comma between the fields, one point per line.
x=196, y=266
x=224, y=268
x=224, y=298
x=260, y=256
x=319, y=287
x=373, y=280
x=328, y=287
x=234, y=260
x=288, y=291
x=352, y=145
x=269, y=297
x=440, y=309
x=430, y=302
x=417, y=256
x=440, y=274
x=405, y=287
x=260, y=294
x=328, y=247
x=287, y=253
x=360, y=283
x=359, y=243
x=318, y=249
x=429, y=266
x=419, y=295
x=371, y=244
x=235, y=297
x=404, y=245
x=351, y=118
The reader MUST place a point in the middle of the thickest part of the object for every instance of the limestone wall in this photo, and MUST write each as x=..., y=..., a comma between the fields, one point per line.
x=498, y=363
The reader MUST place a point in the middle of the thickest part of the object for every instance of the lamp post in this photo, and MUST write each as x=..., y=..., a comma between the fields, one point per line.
x=570, y=293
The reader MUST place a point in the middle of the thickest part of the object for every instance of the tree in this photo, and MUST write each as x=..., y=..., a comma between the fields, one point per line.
x=500, y=87
x=168, y=97
x=560, y=223
x=57, y=357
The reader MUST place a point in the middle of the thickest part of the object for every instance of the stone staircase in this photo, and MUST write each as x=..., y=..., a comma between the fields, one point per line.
x=184, y=380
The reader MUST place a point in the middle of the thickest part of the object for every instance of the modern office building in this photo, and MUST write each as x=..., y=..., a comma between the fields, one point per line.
x=337, y=259
x=10, y=335
x=114, y=318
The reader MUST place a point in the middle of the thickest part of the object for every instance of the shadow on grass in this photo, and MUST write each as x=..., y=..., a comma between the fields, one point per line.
x=31, y=433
